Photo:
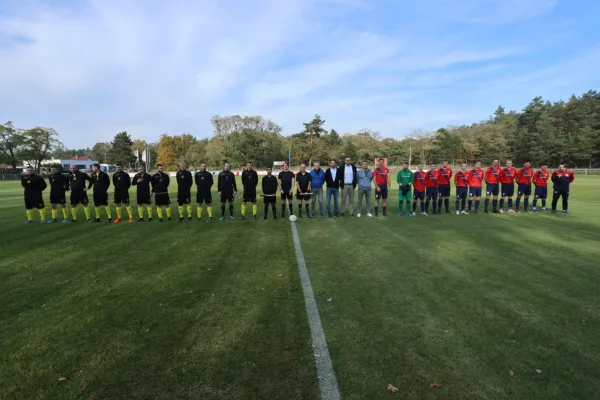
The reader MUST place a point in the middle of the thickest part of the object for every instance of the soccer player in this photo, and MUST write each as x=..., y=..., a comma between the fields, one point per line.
x=122, y=183
x=160, y=187
x=405, y=179
x=303, y=181
x=381, y=175
x=475, y=178
x=33, y=186
x=431, y=188
x=249, y=182
x=317, y=179
x=562, y=179
x=185, y=181
x=419, y=197
x=461, y=180
x=77, y=184
x=204, y=181
x=524, y=176
x=227, y=188
x=287, y=178
x=507, y=178
x=59, y=185
x=270, y=185
x=141, y=181
x=364, y=177
x=332, y=178
x=444, y=179
x=101, y=182
x=492, y=186
x=348, y=185
x=540, y=180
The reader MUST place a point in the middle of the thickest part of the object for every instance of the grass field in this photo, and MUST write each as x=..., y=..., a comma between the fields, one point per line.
x=215, y=310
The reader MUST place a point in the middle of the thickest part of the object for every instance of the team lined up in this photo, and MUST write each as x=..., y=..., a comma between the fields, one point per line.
x=430, y=187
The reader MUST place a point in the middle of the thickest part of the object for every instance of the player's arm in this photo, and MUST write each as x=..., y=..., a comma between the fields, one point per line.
x=234, y=183
x=211, y=181
x=293, y=182
x=43, y=184
x=128, y=181
x=262, y=184
x=553, y=176
x=398, y=178
x=152, y=183
x=190, y=181
x=92, y=181
x=571, y=177
x=23, y=181
x=168, y=181
x=134, y=181
x=107, y=180
x=412, y=178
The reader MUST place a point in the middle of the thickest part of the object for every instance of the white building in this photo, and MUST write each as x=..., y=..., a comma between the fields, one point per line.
x=80, y=162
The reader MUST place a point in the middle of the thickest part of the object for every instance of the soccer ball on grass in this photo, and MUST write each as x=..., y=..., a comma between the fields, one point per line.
x=293, y=218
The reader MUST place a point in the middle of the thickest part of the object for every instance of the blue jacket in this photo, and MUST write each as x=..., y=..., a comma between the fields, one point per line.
x=317, y=179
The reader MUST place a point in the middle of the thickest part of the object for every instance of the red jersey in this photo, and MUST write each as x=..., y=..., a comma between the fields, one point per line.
x=540, y=178
x=444, y=176
x=524, y=176
x=507, y=176
x=420, y=178
x=492, y=175
x=382, y=175
x=475, y=177
x=461, y=179
x=431, y=179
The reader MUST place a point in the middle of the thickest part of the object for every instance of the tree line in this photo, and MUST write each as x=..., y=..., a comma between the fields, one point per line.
x=543, y=132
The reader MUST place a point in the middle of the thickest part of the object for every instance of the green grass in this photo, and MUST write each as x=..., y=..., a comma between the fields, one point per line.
x=215, y=310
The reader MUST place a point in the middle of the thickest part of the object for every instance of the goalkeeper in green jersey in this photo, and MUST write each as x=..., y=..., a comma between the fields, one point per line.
x=405, y=179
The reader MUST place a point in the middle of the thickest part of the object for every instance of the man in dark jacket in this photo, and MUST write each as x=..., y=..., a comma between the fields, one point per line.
x=348, y=181
x=160, y=187
x=59, y=184
x=249, y=182
x=227, y=188
x=332, y=179
x=122, y=183
x=33, y=186
x=100, y=182
x=141, y=181
x=185, y=181
x=204, y=181
x=562, y=179
x=77, y=185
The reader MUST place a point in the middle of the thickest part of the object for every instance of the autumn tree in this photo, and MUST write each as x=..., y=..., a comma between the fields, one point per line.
x=120, y=151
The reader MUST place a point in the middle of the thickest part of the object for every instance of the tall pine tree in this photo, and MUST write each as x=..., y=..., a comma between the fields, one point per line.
x=121, y=152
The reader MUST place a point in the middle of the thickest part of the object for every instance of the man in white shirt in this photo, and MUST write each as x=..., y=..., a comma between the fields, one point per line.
x=348, y=181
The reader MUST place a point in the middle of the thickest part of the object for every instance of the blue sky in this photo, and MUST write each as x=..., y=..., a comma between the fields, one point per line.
x=93, y=68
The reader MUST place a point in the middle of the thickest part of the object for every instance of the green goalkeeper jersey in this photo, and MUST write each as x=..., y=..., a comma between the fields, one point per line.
x=405, y=177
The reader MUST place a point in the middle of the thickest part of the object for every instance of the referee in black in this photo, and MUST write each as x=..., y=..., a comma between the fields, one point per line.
x=249, y=182
x=270, y=185
x=227, y=188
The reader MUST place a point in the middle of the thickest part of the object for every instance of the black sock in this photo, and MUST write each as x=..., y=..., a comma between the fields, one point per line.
x=274, y=210
x=222, y=209
x=422, y=207
x=415, y=206
x=283, y=210
x=486, y=203
x=291, y=207
x=427, y=205
x=230, y=209
x=470, y=204
x=439, y=204
x=447, y=204
x=456, y=205
x=307, y=209
x=543, y=203
x=463, y=203
x=266, y=210
x=300, y=210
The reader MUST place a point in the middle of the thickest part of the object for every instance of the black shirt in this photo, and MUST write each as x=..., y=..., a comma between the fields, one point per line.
x=303, y=180
x=286, y=180
x=184, y=181
x=59, y=183
x=160, y=183
x=226, y=182
x=249, y=179
x=121, y=181
x=77, y=181
x=101, y=182
x=204, y=181
x=269, y=184
x=143, y=187
x=33, y=185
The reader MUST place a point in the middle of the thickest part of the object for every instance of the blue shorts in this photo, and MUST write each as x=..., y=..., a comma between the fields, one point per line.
x=383, y=194
x=508, y=190
x=475, y=191
x=541, y=192
x=492, y=189
x=431, y=193
x=444, y=190
x=461, y=193
x=419, y=195
x=524, y=189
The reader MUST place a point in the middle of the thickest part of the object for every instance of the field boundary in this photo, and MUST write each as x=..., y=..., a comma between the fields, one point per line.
x=327, y=381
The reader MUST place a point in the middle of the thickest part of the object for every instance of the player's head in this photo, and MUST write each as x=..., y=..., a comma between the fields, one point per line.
x=183, y=166
x=495, y=163
x=445, y=163
x=316, y=165
x=508, y=163
x=249, y=165
x=227, y=166
x=381, y=162
x=527, y=164
x=286, y=166
x=119, y=168
x=478, y=165
x=544, y=167
x=365, y=164
x=562, y=167
x=269, y=170
x=432, y=165
x=95, y=168
x=405, y=166
x=303, y=167
x=203, y=166
x=140, y=170
x=72, y=168
x=332, y=163
x=463, y=167
x=160, y=167
x=29, y=170
x=348, y=160
x=420, y=166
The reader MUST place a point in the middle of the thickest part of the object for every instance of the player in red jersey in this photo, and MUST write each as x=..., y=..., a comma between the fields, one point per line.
x=461, y=180
x=420, y=177
x=431, y=188
x=475, y=178
x=381, y=175
x=524, y=176
x=540, y=180
x=492, y=185
x=507, y=178
x=444, y=179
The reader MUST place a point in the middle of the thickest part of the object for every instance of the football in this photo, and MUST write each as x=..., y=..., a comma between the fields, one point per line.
x=293, y=218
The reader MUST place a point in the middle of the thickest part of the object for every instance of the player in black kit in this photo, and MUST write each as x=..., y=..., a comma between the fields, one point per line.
x=269, y=188
x=59, y=185
x=204, y=182
x=287, y=185
x=303, y=187
x=227, y=188
x=185, y=181
x=249, y=181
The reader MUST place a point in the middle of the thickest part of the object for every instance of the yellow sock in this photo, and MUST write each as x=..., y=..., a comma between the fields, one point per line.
x=108, y=211
x=199, y=211
x=74, y=213
x=65, y=212
x=29, y=215
x=180, y=209
x=43, y=214
x=209, y=210
x=119, y=212
x=141, y=212
x=243, y=210
x=254, y=210
x=88, y=213
x=54, y=213
x=168, y=212
x=149, y=210
x=130, y=212
x=189, y=210
x=97, y=209
x=159, y=212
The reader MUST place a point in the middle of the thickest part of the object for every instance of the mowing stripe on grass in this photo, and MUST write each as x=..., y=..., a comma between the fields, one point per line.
x=327, y=380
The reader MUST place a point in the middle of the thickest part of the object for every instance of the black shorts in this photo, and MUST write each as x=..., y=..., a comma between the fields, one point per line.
x=32, y=202
x=121, y=197
x=58, y=198
x=286, y=195
x=524, y=189
x=226, y=197
x=204, y=197
x=383, y=192
x=144, y=199
x=508, y=190
x=249, y=196
x=301, y=197
x=79, y=198
x=270, y=199
x=184, y=198
x=162, y=199
x=100, y=199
